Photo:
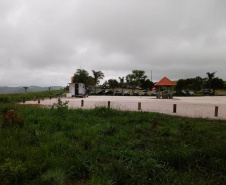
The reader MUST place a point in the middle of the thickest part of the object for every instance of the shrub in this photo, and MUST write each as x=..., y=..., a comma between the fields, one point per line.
x=4, y=99
x=60, y=104
x=54, y=177
x=11, y=119
x=12, y=172
x=61, y=107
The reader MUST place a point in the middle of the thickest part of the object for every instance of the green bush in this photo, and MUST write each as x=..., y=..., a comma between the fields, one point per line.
x=4, y=99
x=54, y=177
x=12, y=172
x=11, y=119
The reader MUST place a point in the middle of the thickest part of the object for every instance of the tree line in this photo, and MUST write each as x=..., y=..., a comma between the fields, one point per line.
x=138, y=78
x=209, y=82
x=133, y=80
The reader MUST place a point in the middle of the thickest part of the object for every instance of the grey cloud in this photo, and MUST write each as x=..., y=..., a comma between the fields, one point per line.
x=48, y=40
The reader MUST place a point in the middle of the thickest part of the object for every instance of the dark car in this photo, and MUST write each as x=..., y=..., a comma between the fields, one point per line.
x=135, y=93
x=100, y=92
x=207, y=92
x=118, y=93
x=108, y=93
x=175, y=93
x=94, y=91
x=126, y=93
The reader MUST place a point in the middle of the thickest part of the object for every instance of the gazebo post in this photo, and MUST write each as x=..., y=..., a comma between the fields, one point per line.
x=158, y=92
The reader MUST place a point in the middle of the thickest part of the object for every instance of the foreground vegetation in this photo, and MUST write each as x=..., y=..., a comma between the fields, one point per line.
x=105, y=146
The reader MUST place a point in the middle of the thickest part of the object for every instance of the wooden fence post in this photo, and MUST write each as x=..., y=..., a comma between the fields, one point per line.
x=38, y=100
x=139, y=105
x=109, y=104
x=24, y=99
x=216, y=111
x=82, y=103
x=174, y=108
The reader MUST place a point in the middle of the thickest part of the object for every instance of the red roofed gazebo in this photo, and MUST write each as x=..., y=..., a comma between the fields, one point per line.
x=165, y=82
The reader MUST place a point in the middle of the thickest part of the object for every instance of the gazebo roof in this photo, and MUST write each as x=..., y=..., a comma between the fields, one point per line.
x=165, y=82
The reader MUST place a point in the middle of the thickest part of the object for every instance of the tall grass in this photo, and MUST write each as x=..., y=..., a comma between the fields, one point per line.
x=105, y=146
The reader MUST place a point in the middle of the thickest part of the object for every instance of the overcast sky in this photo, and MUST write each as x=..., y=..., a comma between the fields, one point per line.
x=43, y=42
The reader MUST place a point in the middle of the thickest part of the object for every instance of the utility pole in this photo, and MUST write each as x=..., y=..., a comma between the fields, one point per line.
x=151, y=75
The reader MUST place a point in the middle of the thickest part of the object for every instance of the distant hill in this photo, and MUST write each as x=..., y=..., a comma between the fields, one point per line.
x=13, y=90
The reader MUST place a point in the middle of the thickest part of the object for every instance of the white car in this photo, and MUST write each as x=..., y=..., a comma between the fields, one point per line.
x=154, y=93
x=144, y=93
x=189, y=93
x=126, y=93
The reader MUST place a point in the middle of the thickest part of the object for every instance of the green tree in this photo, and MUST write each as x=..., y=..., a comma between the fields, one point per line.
x=134, y=79
x=25, y=89
x=146, y=84
x=104, y=85
x=210, y=77
x=181, y=84
x=217, y=84
x=113, y=83
x=90, y=81
x=98, y=75
x=189, y=84
x=197, y=84
x=82, y=76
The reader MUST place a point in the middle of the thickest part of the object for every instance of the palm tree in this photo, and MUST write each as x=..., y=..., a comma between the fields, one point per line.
x=121, y=81
x=210, y=78
x=98, y=75
x=25, y=88
x=81, y=76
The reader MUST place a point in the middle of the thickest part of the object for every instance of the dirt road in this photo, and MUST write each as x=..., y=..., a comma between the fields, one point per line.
x=203, y=106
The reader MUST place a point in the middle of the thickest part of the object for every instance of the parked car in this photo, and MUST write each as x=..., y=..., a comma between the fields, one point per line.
x=135, y=93
x=126, y=93
x=118, y=92
x=154, y=93
x=101, y=92
x=187, y=93
x=207, y=92
x=145, y=93
x=93, y=91
x=190, y=93
x=108, y=93
x=175, y=93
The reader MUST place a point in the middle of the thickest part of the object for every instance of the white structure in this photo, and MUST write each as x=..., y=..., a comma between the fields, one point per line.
x=77, y=90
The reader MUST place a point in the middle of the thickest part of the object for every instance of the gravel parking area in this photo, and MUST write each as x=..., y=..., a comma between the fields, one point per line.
x=201, y=106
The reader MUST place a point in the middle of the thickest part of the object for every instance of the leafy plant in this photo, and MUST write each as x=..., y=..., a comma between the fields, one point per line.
x=61, y=107
x=12, y=172
x=4, y=99
x=54, y=177
x=11, y=119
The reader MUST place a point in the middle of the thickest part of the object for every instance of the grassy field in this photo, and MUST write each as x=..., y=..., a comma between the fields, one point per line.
x=220, y=93
x=30, y=96
x=105, y=146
